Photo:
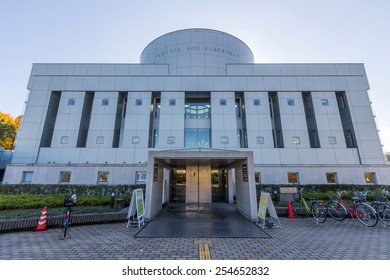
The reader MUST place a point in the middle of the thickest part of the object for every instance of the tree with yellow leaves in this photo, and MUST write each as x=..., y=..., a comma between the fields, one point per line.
x=8, y=128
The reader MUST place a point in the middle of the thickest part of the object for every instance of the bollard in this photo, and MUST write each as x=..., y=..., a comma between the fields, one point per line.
x=112, y=200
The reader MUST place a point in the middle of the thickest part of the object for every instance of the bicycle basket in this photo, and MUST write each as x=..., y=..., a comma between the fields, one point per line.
x=70, y=201
x=73, y=199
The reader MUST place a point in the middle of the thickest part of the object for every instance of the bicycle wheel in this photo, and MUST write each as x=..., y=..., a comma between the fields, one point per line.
x=299, y=209
x=319, y=212
x=383, y=211
x=366, y=215
x=66, y=228
x=336, y=210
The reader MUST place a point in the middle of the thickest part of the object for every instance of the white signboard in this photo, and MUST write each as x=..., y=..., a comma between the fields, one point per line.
x=135, y=216
x=266, y=204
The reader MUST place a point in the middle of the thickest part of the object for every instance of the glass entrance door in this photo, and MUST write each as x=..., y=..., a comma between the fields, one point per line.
x=219, y=185
x=178, y=184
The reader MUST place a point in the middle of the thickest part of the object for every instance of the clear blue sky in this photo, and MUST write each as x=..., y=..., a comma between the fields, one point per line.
x=278, y=31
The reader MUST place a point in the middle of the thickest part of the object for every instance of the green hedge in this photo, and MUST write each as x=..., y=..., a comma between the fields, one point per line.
x=23, y=196
x=325, y=192
x=34, y=201
x=69, y=189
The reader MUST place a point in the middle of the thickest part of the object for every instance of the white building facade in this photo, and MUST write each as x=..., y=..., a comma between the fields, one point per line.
x=198, y=105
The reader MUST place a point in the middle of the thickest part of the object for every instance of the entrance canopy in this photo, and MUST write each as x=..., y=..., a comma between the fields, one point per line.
x=198, y=165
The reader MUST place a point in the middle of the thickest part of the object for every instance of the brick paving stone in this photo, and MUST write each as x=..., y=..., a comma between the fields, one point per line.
x=298, y=239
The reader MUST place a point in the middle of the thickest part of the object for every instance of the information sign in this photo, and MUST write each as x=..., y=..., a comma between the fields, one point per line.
x=266, y=205
x=135, y=216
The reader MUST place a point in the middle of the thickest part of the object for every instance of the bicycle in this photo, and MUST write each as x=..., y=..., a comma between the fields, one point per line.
x=302, y=209
x=338, y=209
x=381, y=206
x=68, y=202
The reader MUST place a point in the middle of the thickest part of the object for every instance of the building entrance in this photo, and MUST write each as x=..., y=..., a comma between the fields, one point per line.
x=198, y=184
x=200, y=176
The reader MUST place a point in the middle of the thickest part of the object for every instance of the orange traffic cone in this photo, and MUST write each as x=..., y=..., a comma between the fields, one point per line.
x=41, y=226
x=290, y=212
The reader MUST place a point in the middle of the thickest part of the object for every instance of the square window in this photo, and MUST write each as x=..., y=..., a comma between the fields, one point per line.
x=290, y=102
x=138, y=102
x=100, y=140
x=65, y=176
x=172, y=102
x=260, y=140
x=64, y=139
x=140, y=177
x=171, y=140
x=27, y=177
x=256, y=102
x=257, y=177
x=370, y=177
x=325, y=102
x=71, y=102
x=296, y=140
x=135, y=140
x=292, y=177
x=224, y=140
x=104, y=102
x=103, y=176
x=332, y=140
x=222, y=102
x=331, y=178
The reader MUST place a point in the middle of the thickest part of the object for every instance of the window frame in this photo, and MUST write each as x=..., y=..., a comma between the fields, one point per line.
x=24, y=176
x=224, y=140
x=135, y=140
x=256, y=102
x=289, y=176
x=64, y=140
x=171, y=140
x=373, y=180
x=138, y=102
x=64, y=173
x=335, y=180
x=99, y=179
x=332, y=140
x=138, y=177
x=100, y=140
x=296, y=140
x=290, y=102
x=260, y=140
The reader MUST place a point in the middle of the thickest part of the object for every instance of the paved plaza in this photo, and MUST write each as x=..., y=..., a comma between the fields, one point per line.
x=298, y=239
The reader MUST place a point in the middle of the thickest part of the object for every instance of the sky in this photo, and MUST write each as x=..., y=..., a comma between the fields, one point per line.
x=116, y=31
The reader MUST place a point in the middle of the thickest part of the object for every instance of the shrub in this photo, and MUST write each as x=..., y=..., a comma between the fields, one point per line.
x=69, y=189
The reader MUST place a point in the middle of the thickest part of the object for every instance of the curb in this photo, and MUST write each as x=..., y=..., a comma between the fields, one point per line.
x=13, y=225
x=53, y=222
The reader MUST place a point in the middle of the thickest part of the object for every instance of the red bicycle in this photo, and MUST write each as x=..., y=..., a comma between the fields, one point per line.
x=338, y=209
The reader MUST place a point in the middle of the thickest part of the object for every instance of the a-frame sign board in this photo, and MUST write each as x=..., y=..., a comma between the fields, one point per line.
x=135, y=216
x=266, y=205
